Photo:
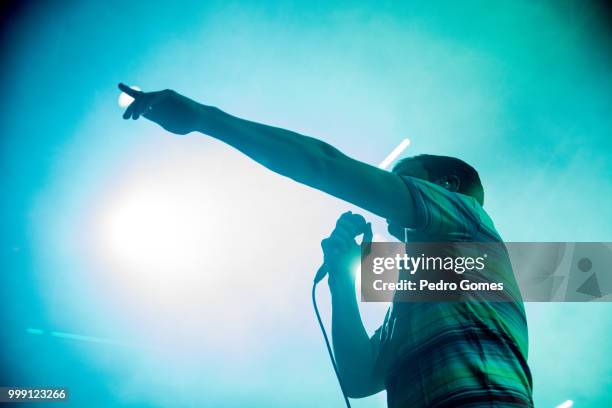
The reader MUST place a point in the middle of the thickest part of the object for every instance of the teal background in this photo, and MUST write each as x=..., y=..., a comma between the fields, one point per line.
x=209, y=303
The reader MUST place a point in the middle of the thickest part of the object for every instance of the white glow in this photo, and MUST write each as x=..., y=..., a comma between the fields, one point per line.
x=194, y=232
x=124, y=99
x=566, y=404
x=185, y=229
x=394, y=154
x=156, y=227
x=143, y=223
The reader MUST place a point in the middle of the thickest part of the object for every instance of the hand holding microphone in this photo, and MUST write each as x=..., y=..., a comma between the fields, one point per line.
x=340, y=250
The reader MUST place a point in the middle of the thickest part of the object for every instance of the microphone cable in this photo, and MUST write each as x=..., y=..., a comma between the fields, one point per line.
x=329, y=349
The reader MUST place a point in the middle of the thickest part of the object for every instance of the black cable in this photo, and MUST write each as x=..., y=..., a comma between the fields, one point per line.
x=329, y=349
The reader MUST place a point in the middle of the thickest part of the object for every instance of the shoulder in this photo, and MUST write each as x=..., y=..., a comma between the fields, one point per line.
x=449, y=215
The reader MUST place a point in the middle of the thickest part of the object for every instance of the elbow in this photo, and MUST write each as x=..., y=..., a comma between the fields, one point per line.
x=350, y=388
x=353, y=392
x=357, y=387
x=356, y=392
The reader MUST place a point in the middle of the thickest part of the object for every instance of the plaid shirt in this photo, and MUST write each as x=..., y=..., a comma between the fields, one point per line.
x=454, y=354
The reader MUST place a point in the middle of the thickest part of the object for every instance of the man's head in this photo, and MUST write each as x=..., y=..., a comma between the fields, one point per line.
x=449, y=172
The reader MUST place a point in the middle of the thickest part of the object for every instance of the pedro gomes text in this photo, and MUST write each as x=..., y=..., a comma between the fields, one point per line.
x=412, y=264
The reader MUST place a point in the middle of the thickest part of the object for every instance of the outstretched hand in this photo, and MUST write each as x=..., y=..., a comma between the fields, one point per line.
x=171, y=110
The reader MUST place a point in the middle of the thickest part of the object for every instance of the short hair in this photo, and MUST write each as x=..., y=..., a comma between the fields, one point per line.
x=444, y=166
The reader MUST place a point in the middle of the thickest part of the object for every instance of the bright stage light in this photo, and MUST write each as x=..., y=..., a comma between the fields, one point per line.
x=145, y=223
x=566, y=404
x=186, y=227
x=124, y=99
x=155, y=227
x=394, y=154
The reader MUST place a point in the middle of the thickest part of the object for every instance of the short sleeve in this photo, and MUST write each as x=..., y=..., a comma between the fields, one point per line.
x=447, y=216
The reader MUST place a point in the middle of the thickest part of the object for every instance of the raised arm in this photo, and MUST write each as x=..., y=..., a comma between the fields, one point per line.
x=305, y=159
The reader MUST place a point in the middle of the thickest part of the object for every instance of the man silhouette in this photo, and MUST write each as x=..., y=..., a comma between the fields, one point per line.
x=425, y=355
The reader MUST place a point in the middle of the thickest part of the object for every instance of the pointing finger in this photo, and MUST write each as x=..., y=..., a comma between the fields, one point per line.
x=132, y=92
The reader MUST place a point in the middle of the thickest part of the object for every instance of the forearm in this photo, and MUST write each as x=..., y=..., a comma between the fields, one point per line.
x=352, y=347
x=288, y=153
x=305, y=159
x=312, y=162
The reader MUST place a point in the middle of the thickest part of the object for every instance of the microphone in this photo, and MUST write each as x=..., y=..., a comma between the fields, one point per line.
x=366, y=230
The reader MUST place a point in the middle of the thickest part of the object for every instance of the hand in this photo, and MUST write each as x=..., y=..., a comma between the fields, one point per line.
x=170, y=110
x=340, y=250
